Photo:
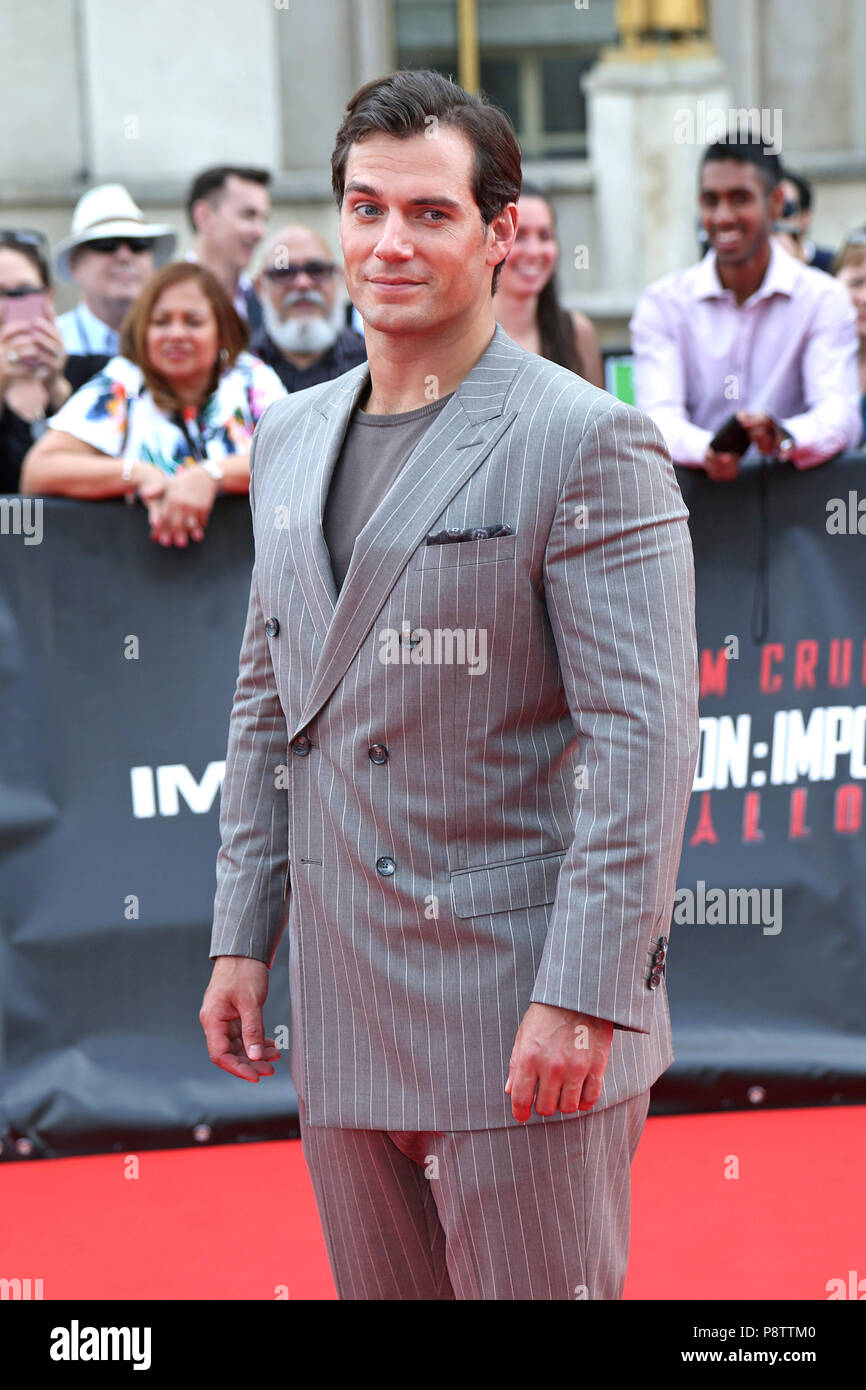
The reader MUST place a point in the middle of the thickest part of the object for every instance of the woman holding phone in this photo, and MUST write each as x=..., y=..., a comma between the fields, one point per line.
x=36, y=374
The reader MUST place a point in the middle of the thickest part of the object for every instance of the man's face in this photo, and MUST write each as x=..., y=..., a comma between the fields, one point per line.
x=737, y=213
x=300, y=280
x=111, y=276
x=237, y=220
x=417, y=254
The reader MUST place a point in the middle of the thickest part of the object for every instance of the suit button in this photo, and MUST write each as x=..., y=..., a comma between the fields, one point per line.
x=272, y=627
x=479, y=533
x=654, y=980
x=301, y=745
x=663, y=941
x=385, y=866
x=378, y=753
x=659, y=955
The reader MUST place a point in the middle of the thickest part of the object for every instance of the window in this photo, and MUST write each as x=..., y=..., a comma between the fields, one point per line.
x=532, y=57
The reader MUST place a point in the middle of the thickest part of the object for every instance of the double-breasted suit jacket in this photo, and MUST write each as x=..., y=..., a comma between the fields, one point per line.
x=463, y=781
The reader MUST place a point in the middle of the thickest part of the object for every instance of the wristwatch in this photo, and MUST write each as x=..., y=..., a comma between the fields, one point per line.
x=213, y=469
x=786, y=446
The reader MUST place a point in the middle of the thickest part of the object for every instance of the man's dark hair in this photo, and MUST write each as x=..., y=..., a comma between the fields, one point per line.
x=803, y=187
x=211, y=182
x=747, y=148
x=409, y=103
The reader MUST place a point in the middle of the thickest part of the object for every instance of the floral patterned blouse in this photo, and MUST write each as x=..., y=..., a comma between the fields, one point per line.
x=115, y=413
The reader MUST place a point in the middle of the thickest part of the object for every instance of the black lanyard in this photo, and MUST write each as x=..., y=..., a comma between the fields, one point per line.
x=197, y=449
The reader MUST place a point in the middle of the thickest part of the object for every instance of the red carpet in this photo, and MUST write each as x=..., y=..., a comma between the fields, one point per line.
x=239, y=1221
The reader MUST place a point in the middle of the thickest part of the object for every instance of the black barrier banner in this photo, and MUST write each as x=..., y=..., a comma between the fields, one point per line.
x=767, y=960
x=118, y=666
x=118, y=661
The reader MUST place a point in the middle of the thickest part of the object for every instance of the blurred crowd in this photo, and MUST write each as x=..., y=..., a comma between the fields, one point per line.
x=151, y=386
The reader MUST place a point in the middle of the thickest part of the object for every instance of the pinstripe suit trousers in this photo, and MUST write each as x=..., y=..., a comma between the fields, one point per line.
x=536, y=1211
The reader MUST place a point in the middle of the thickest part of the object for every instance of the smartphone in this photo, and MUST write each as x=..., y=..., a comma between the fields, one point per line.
x=732, y=438
x=24, y=308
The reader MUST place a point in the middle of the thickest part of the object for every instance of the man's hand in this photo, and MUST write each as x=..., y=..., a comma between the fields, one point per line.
x=563, y=1053
x=721, y=467
x=764, y=432
x=231, y=1016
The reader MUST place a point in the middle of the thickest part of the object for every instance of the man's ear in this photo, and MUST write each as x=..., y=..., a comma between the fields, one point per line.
x=776, y=203
x=198, y=213
x=504, y=228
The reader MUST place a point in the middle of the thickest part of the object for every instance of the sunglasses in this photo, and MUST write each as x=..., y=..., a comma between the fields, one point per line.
x=109, y=244
x=317, y=270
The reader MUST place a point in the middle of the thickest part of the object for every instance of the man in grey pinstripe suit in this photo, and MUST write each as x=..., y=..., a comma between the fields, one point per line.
x=460, y=754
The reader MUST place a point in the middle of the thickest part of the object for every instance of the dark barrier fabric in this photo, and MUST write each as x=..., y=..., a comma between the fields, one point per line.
x=117, y=666
x=106, y=914
x=767, y=999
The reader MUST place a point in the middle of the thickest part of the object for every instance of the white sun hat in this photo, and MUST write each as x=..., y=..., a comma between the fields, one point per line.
x=109, y=211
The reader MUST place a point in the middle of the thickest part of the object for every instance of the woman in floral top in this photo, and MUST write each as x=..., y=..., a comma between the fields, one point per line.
x=169, y=421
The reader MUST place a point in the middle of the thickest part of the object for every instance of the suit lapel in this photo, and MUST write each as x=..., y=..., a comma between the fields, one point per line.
x=457, y=442
x=321, y=449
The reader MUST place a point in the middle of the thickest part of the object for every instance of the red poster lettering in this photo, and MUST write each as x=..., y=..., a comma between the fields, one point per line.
x=751, y=816
x=848, y=809
x=704, y=830
x=805, y=661
x=771, y=680
x=797, y=827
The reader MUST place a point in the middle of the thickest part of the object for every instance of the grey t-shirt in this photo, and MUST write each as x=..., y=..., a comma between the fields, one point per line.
x=374, y=450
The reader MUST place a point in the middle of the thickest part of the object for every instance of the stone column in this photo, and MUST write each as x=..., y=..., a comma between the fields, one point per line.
x=649, y=117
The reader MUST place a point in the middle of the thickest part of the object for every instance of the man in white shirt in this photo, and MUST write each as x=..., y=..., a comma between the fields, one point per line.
x=748, y=331
x=110, y=253
x=228, y=210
